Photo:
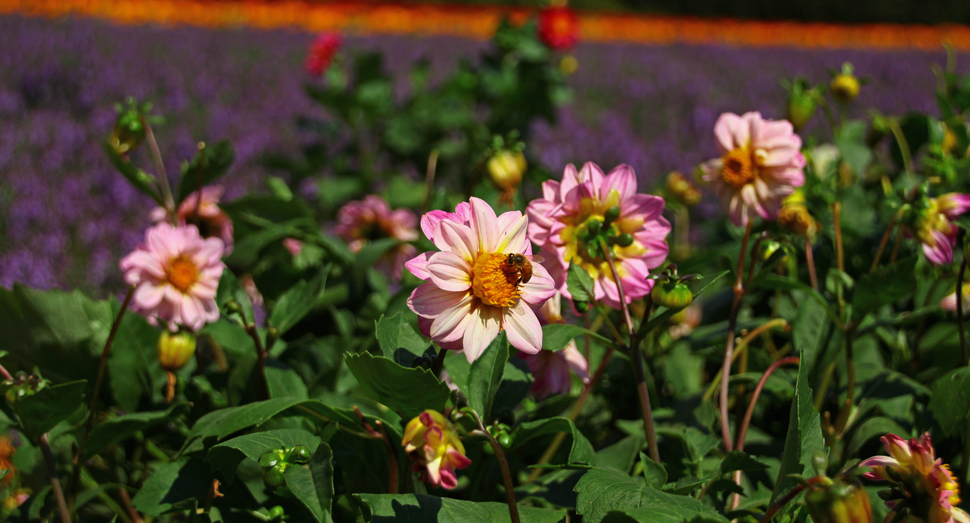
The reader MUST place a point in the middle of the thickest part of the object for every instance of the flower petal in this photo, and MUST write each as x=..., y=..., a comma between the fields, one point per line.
x=523, y=328
x=429, y=300
x=485, y=225
x=449, y=271
x=457, y=238
x=481, y=330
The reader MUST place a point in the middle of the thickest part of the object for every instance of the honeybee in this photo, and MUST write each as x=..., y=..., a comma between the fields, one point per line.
x=519, y=266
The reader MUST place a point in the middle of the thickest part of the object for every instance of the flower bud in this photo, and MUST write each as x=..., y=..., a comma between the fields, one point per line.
x=845, y=87
x=506, y=168
x=611, y=215
x=273, y=476
x=797, y=219
x=129, y=130
x=840, y=501
x=594, y=227
x=299, y=455
x=276, y=513
x=681, y=190
x=623, y=240
x=672, y=294
x=504, y=439
x=175, y=350
x=582, y=307
x=568, y=65
x=768, y=249
x=801, y=108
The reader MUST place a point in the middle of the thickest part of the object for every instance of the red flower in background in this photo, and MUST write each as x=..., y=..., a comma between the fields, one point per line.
x=559, y=27
x=322, y=52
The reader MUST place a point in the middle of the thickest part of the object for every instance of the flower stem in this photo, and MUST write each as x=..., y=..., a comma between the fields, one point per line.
x=429, y=179
x=742, y=347
x=642, y=393
x=729, y=344
x=837, y=219
x=810, y=261
x=504, y=466
x=903, y=146
x=5, y=373
x=849, y=364
x=790, y=360
x=160, y=167
x=960, y=327
x=884, y=241
x=263, y=384
x=45, y=446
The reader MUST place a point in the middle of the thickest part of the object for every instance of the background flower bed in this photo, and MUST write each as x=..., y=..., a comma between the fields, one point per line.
x=66, y=216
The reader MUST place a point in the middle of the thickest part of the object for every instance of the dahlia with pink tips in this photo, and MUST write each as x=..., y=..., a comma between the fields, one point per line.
x=932, y=490
x=469, y=298
x=553, y=370
x=430, y=440
x=370, y=219
x=568, y=222
x=204, y=213
x=760, y=164
x=935, y=228
x=175, y=274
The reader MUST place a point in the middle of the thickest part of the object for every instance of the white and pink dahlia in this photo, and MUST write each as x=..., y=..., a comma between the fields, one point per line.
x=760, y=164
x=370, y=219
x=204, y=213
x=175, y=274
x=570, y=223
x=553, y=370
x=472, y=293
x=935, y=228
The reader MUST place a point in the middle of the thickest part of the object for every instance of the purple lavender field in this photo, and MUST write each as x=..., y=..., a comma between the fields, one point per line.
x=66, y=216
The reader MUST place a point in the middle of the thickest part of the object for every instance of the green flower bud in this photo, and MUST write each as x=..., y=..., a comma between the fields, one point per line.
x=582, y=307
x=769, y=248
x=504, y=439
x=840, y=501
x=299, y=455
x=271, y=458
x=611, y=215
x=276, y=513
x=506, y=168
x=623, y=240
x=801, y=109
x=594, y=227
x=273, y=476
x=672, y=294
x=175, y=350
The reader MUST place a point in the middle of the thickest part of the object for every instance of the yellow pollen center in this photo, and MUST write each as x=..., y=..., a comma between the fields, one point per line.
x=738, y=169
x=182, y=273
x=491, y=284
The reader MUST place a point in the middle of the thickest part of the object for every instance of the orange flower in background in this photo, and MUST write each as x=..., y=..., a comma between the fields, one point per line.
x=6, y=459
x=558, y=27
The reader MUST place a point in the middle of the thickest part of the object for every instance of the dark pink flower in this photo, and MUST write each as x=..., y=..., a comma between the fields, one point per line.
x=321, y=53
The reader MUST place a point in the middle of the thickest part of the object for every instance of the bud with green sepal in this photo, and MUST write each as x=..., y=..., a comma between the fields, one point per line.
x=129, y=130
x=670, y=290
x=844, y=85
x=802, y=102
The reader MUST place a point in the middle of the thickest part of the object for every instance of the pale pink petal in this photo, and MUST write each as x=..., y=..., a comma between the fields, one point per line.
x=457, y=238
x=481, y=330
x=429, y=300
x=523, y=328
x=148, y=296
x=570, y=179
x=419, y=265
x=431, y=219
x=485, y=225
x=540, y=287
x=622, y=179
x=512, y=238
x=724, y=131
x=449, y=271
x=451, y=323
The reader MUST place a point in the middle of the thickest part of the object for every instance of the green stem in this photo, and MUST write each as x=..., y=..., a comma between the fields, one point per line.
x=729, y=344
x=960, y=326
x=903, y=146
x=55, y=480
x=504, y=466
x=160, y=167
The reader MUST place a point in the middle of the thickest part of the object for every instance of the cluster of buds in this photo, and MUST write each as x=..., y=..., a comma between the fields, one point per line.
x=671, y=290
x=803, y=101
x=679, y=189
x=597, y=231
x=844, y=85
x=433, y=445
x=129, y=130
x=22, y=385
x=506, y=164
x=795, y=217
x=275, y=463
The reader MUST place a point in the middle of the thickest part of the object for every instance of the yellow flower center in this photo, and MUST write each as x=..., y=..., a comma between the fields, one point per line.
x=491, y=284
x=738, y=169
x=182, y=273
x=582, y=241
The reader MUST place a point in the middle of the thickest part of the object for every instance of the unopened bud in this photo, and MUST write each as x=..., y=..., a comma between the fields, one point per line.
x=672, y=294
x=276, y=513
x=594, y=227
x=175, y=350
x=568, y=65
x=504, y=439
x=680, y=189
x=768, y=249
x=796, y=218
x=611, y=215
x=845, y=87
x=298, y=454
x=841, y=501
x=801, y=108
x=506, y=169
x=273, y=476
x=582, y=307
x=623, y=240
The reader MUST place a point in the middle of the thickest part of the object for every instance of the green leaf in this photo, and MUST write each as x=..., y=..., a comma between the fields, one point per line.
x=886, y=285
x=388, y=508
x=808, y=331
x=41, y=411
x=485, y=376
x=173, y=486
x=231, y=290
x=297, y=302
x=141, y=180
x=313, y=484
x=398, y=339
x=776, y=282
x=371, y=253
x=654, y=473
x=283, y=381
x=134, y=373
x=555, y=336
x=405, y=391
x=852, y=146
x=579, y=283
x=869, y=429
x=658, y=515
x=601, y=491
x=804, y=437
x=620, y=455
x=209, y=164
x=117, y=429
x=580, y=449
x=950, y=402
x=226, y=457
x=738, y=460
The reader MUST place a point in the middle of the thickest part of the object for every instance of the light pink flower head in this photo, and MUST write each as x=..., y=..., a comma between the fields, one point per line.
x=562, y=221
x=175, y=274
x=473, y=292
x=920, y=475
x=760, y=164
x=369, y=219
x=935, y=227
x=204, y=214
x=553, y=371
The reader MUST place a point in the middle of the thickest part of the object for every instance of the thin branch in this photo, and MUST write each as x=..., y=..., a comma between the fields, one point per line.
x=45, y=446
x=729, y=344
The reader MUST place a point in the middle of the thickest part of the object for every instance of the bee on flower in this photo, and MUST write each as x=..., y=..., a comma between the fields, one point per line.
x=433, y=444
x=922, y=483
x=471, y=294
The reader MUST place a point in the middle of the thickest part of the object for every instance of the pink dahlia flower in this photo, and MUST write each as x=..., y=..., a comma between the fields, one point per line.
x=760, y=164
x=935, y=226
x=175, y=274
x=321, y=53
x=473, y=292
x=949, y=302
x=921, y=476
x=553, y=371
x=205, y=214
x=433, y=444
x=370, y=219
x=569, y=222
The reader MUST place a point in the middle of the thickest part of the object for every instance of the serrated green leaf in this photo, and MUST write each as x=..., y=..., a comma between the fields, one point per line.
x=654, y=473
x=804, y=437
x=601, y=491
x=808, y=331
x=42, y=410
x=580, y=449
x=226, y=457
x=395, y=333
x=950, y=402
x=738, y=460
x=620, y=455
x=313, y=484
x=298, y=301
x=579, y=283
x=884, y=286
x=405, y=391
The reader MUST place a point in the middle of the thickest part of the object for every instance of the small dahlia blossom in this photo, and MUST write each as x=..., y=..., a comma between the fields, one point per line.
x=569, y=222
x=558, y=27
x=432, y=443
x=553, y=371
x=914, y=468
x=321, y=53
x=760, y=164
x=175, y=274
x=935, y=226
x=370, y=219
x=949, y=302
x=205, y=214
x=473, y=292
